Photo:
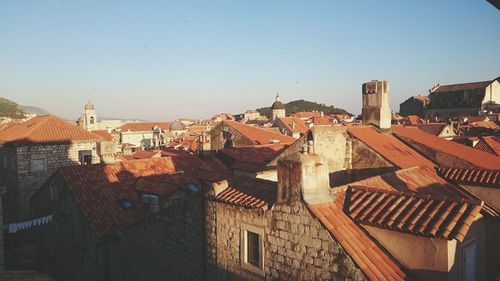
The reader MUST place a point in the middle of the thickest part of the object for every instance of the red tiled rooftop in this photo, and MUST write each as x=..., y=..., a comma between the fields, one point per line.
x=389, y=147
x=213, y=170
x=103, y=134
x=371, y=259
x=433, y=128
x=290, y=122
x=162, y=185
x=306, y=114
x=419, y=214
x=98, y=189
x=144, y=126
x=484, y=124
x=250, y=193
x=489, y=145
x=462, y=86
x=471, y=176
x=414, y=120
x=45, y=129
x=323, y=120
x=258, y=135
x=251, y=158
x=468, y=154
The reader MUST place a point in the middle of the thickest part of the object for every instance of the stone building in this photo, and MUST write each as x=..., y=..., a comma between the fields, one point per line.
x=291, y=126
x=145, y=135
x=234, y=134
x=277, y=109
x=89, y=121
x=376, y=108
x=415, y=105
x=33, y=150
x=441, y=130
x=92, y=206
x=466, y=99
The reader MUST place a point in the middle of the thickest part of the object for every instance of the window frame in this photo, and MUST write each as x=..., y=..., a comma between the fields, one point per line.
x=38, y=157
x=245, y=264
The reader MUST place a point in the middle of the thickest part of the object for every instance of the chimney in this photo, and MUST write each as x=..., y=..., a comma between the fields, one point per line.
x=303, y=175
x=293, y=125
x=376, y=109
x=322, y=114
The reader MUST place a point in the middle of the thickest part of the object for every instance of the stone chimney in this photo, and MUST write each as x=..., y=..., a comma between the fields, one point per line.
x=303, y=175
x=376, y=109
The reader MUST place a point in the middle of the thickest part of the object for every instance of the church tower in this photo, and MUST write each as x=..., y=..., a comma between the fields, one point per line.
x=89, y=117
x=278, y=109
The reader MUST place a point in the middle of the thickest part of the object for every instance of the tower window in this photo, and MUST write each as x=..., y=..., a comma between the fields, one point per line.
x=91, y=119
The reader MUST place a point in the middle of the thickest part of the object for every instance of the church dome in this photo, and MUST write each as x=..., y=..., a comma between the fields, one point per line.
x=177, y=126
x=277, y=104
x=89, y=106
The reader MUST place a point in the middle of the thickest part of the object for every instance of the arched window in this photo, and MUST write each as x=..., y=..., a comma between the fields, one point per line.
x=91, y=119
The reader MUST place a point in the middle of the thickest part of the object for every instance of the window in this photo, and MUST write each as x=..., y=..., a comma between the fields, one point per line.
x=91, y=119
x=85, y=157
x=252, y=249
x=153, y=201
x=469, y=261
x=38, y=164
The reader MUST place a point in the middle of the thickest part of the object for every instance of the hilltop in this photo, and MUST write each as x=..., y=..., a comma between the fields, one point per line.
x=303, y=105
x=34, y=110
x=11, y=109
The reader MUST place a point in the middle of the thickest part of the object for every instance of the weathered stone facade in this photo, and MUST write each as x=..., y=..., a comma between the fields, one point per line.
x=414, y=106
x=296, y=245
x=22, y=181
x=221, y=133
x=166, y=246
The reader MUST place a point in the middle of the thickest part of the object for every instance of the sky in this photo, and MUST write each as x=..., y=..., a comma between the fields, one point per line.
x=159, y=60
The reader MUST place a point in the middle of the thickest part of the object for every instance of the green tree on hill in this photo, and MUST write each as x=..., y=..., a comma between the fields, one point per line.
x=303, y=105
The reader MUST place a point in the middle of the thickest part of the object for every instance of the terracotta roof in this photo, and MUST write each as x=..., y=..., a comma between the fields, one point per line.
x=462, y=86
x=419, y=214
x=250, y=193
x=143, y=126
x=489, y=144
x=484, y=124
x=389, y=147
x=300, y=126
x=162, y=185
x=173, y=152
x=49, y=128
x=213, y=170
x=414, y=120
x=432, y=128
x=103, y=134
x=223, y=116
x=371, y=259
x=422, y=180
x=258, y=135
x=422, y=98
x=251, y=158
x=324, y=120
x=98, y=189
x=471, y=176
x=472, y=119
x=8, y=125
x=306, y=114
x=468, y=154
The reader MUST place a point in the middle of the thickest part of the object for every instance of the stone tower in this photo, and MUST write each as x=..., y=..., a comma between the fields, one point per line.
x=278, y=109
x=376, y=109
x=89, y=117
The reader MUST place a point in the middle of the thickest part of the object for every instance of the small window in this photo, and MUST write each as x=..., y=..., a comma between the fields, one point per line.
x=127, y=204
x=91, y=119
x=252, y=249
x=38, y=164
x=85, y=157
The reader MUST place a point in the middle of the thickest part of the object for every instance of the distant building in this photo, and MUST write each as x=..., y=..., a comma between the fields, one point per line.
x=251, y=115
x=89, y=122
x=31, y=151
x=414, y=106
x=145, y=135
x=277, y=109
x=467, y=99
x=291, y=126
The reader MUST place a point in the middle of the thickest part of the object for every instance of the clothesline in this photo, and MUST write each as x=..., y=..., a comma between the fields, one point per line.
x=15, y=227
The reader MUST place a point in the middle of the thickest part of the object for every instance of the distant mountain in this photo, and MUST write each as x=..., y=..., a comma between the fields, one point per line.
x=34, y=110
x=10, y=109
x=303, y=105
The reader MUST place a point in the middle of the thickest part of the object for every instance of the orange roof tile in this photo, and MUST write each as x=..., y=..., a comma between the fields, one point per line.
x=258, y=135
x=145, y=154
x=432, y=128
x=389, y=147
x=371, y=259
x=290, y=122
x=324, y=120
x=213, y=170
x=144, y=126
x=251, y=158
x=103, y=134
x=45, y=129
x=468, y=154
x=306, y=114
x=489, y=144
x=162, y=185
x=413, y=120
x=98, y=189
x=419, y=214
x=471, y=176
x=484, y=124
x=250, y=193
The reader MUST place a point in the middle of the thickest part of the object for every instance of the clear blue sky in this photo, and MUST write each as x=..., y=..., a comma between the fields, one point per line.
x=161, y=59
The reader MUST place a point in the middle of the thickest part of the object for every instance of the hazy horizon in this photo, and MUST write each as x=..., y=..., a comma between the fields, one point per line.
x=161, y=60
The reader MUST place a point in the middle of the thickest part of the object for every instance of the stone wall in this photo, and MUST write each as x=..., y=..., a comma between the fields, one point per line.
x=296, y=246
x=56, y=155
x=217, y=141
x=166, y=246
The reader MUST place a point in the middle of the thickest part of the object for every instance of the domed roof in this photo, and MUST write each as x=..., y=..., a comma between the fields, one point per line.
x=89, y=106
x=177, y=126
x=277, y=104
